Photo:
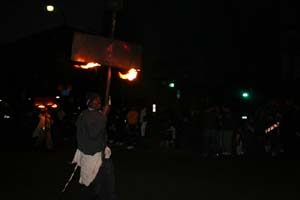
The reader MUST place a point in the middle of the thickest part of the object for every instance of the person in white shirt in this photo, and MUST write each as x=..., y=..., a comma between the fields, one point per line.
x=93, y=155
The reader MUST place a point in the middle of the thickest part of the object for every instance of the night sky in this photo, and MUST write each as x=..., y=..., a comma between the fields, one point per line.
x=196, y=43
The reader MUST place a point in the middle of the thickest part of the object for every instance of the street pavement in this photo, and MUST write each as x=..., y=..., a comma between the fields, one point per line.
x=149, y=173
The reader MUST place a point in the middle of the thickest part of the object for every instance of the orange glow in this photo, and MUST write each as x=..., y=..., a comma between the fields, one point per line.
x=44, y=103
x=54, y=105
x=88, y=66
x=50, y=104
x=131, y=74
x=41, y=106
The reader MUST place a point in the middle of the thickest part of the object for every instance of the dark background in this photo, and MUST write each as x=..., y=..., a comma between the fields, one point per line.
x=213, y=48
x=217, y=47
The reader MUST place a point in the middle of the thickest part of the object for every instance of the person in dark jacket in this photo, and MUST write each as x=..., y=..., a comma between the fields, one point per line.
x=93, y=155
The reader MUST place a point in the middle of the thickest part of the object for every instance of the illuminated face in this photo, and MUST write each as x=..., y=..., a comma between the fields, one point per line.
x=95, y=103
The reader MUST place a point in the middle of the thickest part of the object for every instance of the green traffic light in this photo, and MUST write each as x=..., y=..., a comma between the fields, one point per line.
x=245, y=94
x=172, y=85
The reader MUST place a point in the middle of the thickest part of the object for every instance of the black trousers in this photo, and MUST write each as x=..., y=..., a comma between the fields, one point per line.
x=103, y=187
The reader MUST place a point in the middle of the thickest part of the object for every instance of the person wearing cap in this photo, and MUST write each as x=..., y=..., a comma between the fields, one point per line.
x=93, y=154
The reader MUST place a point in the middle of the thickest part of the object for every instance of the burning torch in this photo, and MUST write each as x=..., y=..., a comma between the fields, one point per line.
x=271, y=128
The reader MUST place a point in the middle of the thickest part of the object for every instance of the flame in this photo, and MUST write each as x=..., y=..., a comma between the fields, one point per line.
x=41, y=106
x=131, y=74
x=54, y=105
x=48, y=104
x=88, y=65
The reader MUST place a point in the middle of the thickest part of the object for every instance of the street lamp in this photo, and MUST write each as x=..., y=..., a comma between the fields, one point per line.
x=50, y=8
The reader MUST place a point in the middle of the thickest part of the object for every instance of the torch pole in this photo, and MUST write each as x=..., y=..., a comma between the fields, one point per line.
x=114, y=15
x=108, y=85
